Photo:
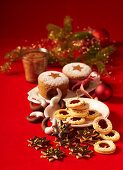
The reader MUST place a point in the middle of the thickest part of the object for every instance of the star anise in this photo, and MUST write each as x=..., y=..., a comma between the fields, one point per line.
x=53, y=154
x=38, y=143
x=81, y=151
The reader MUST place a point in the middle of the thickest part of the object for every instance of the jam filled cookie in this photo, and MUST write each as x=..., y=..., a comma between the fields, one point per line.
x=92, y=114
x=61, y=114
x=76, y=71
x=105, y=147
x=113, y=135
x=76, y=120
x=102, y=125
x=83, y=107
x=75, y=103
x=76, y=113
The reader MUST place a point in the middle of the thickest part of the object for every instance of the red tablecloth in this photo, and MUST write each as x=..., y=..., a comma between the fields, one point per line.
x=26, y=20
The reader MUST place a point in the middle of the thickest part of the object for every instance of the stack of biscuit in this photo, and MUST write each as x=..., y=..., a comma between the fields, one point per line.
x=78, y=110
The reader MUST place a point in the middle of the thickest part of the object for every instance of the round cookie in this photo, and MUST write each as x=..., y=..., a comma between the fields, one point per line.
x=76, y=71
x=76, y=113
x=92, y=114
x=61, y=114
x=102, y=125
x=75, y=103
x=50, y=80
x=105, y=147
x=113, y=135
x=76, y=120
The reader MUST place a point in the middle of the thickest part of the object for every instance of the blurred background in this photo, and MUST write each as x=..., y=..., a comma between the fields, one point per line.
x=27, y=19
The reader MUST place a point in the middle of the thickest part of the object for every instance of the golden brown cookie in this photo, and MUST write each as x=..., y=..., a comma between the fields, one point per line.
x=105, y=147
x=75, y=120
x=113, y=135
x=92, y=114
x=102, y=125
x=61, y=114
x=74, y=103
x=76, y=113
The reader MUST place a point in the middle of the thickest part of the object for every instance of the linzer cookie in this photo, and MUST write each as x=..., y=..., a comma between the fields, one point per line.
x=113, y=135
x=76, y=120
x=78, y=113
x=49, y=81
x=61, y=114
x=105, y=147
x=92, y=114
x=76, y=71
x=75, y=103
x=102, y=125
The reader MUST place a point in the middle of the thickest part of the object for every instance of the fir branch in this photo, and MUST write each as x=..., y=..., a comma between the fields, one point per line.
x=81, y=35
x=67, y=24
x=55, y=33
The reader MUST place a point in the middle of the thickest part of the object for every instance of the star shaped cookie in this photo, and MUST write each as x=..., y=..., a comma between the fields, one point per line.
x=38, y=143
x=53, y=154
x=61, y=130
x=81, y=151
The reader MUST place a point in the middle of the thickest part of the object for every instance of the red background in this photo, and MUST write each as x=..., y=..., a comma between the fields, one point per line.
x=26, y=20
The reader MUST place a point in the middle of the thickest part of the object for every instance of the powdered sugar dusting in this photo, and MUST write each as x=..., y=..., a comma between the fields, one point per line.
x=73, y=73
x=48, y=79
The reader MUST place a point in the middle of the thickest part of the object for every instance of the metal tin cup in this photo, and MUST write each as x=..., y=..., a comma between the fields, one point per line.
x=34, y=62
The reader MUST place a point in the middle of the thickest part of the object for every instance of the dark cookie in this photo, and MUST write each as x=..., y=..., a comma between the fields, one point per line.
x=81, y=151
x=38, y=143
x=61, y=130
x=53, y=154
x=35, y=107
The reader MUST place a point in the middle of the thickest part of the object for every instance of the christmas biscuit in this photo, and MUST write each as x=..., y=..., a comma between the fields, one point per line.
x=76, y=113
x=113, y=135
x=75, y=120
x=61, y=114
x=102, y=125
x=38, y=143
x=52, y=154
x=105, y=147
x=81, y=151
x=92, y=114
x=75, y=103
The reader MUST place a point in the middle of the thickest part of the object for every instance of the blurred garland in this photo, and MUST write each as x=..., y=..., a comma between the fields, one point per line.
x=65, y=44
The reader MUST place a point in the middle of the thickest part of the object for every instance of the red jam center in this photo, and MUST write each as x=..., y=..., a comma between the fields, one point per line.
x=104, y=145
x=64, y=113
x=74, y=101
x=103, y=124
x=75, y=118
x=91, y=112
x=110, y=134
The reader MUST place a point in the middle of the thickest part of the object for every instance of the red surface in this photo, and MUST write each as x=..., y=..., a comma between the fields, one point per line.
x=26, y=20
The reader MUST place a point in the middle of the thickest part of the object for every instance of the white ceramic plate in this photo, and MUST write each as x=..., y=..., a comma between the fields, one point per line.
x=96, y=105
